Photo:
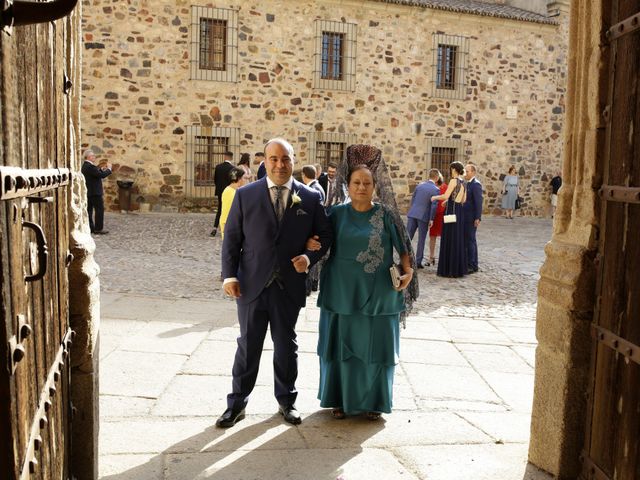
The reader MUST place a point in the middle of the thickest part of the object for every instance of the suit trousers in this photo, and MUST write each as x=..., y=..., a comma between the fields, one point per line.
x=471, y=245
x=216, y=222
x=272, y=308
x=414, y=224
x=95, y=203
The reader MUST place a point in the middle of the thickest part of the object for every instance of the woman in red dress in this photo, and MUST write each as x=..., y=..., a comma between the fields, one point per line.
x=436, y=229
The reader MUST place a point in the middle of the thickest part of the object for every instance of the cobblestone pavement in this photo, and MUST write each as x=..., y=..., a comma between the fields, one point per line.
x=172, y=255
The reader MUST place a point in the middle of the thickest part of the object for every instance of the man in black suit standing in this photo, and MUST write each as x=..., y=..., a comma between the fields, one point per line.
x=327, y=181
x=93, y=175
x=264, y=265
x=472, y=215
x=221, y=180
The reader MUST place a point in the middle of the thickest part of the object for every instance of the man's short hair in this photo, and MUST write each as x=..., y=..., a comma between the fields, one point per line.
x=87, y=153
x=281, y=141
x=332, y=165
x=434, y=174
x=228, y=154
x=259, y=154
x=309, y=171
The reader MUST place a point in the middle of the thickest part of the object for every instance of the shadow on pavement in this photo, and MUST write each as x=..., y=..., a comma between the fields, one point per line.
x=251, y=452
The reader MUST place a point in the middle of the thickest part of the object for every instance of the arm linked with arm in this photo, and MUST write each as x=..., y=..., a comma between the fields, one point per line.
x=447, y=194
x=323, y=230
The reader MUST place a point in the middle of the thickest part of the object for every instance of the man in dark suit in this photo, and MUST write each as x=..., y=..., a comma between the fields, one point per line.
x=472, y=213
x=328, y=180
x=93, y=175
x=221, y=180
x=264, y=265
x=262, y=170
x=309, y=179
x=422, y=212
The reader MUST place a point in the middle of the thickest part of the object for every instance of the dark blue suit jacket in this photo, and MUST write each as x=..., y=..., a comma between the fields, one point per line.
x=422, y=207
x=262, y=171
x=93, y=176
x=472, y=208
x=315, y=185
x=255, y=244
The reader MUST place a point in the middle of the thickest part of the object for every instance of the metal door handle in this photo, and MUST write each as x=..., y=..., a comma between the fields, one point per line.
x=43, y=251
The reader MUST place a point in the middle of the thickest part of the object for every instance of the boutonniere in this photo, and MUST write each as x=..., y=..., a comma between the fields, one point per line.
x=295, y=198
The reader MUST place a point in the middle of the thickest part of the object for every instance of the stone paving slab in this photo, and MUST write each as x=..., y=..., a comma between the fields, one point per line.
x=455, y=462
x=462, y=390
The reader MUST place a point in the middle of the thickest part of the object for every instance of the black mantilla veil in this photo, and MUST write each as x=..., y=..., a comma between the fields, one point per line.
x=371, y=157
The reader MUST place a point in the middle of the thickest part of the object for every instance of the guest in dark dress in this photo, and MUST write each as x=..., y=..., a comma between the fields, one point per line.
x=453, y=259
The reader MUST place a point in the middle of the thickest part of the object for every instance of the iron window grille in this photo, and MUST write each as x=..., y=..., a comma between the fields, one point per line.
x=325, y=148
x=205, y=150
x=449, y=66
x=334, y=66
x=332, y=55
x=214, y=44
x=442, y=152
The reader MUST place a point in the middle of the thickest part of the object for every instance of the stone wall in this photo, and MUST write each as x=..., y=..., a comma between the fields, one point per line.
x=138, y=99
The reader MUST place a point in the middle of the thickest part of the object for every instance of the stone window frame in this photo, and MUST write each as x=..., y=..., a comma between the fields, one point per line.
x=459, y=144
x=230, y=17
x=349, y=51
x=461, y=43
x=314, y=138
x=193, y=134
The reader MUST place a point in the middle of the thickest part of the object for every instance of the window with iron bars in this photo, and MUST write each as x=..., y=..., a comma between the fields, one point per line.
x=442, y=157
x=214, y=44
x=332, y=55
x=328, y=147
x=205, y=148
x=442, y=152
x=334, y=65
x=329, y=152
x=449, y=66
x=208, y=152
x=446, y=73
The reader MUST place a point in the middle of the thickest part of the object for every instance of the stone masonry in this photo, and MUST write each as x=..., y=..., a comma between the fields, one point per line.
x=138, y=99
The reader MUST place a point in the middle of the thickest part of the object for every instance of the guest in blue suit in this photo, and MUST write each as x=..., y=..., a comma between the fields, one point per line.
x=309, y=179
x=472, y=212
x=262, y=170
x=264, y=265
x=422, y=212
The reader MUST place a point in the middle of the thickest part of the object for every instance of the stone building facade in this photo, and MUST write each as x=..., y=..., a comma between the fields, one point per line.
x=170, y=85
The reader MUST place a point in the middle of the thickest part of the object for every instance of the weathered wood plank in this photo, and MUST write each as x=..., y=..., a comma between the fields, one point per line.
x=614, y=438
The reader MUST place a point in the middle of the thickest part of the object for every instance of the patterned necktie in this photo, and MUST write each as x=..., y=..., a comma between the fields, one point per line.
x=278, y=204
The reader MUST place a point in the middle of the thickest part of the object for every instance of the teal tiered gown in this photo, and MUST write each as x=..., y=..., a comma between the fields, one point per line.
x=359, y=337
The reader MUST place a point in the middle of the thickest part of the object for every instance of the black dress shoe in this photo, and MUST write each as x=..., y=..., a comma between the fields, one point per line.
x=229, y=418
x=213, y=232
x=290, y=414
x=472, y=270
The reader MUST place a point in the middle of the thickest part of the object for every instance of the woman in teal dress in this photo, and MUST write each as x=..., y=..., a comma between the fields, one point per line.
x=359, y=307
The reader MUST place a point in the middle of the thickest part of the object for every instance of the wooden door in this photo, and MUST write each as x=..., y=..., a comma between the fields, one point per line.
x=35, y=409
x=612, y=447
